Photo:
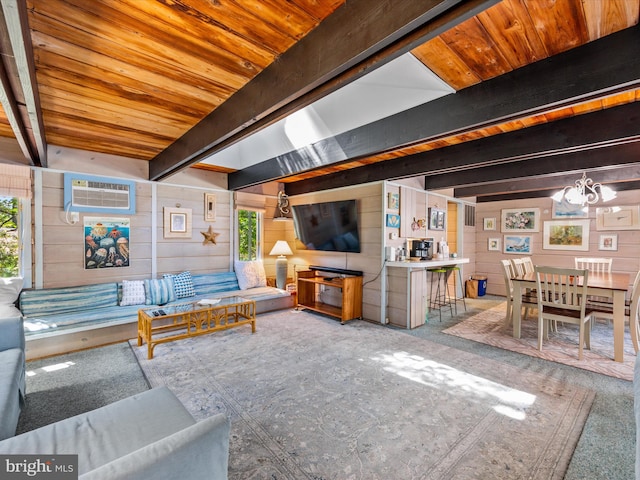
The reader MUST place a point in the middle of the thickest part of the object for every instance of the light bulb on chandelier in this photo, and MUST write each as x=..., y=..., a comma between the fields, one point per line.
x=585, y=192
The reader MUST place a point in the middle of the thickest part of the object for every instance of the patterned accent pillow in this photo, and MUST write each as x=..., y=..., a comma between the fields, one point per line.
x=182, y=284
x=250, y=274
x=159, y=291
x=133, y=293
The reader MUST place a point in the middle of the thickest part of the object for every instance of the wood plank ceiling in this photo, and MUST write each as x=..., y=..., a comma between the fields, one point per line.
x=150, y=79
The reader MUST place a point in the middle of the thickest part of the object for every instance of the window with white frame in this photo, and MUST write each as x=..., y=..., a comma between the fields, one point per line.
x=249, y=224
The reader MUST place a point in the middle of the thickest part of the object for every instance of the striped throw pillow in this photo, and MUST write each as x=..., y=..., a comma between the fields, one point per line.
x=159, y=292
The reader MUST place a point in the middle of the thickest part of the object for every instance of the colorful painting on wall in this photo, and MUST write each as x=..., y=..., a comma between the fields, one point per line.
x=106, y=242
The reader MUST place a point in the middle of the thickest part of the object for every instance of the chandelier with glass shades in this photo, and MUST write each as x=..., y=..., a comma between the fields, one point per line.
x=585, y=192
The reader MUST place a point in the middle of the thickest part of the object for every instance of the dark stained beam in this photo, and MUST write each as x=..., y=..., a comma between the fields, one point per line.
x=355, y=32
x=620, y=187
x=608, y=175
x=605, y=66
x=617, y=125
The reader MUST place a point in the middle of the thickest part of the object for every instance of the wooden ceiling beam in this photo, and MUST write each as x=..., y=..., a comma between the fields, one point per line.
x=513, y=181
x=29, y=129
x=626, y=186
x=355, y=32
x=594, y=130
x=597, y=69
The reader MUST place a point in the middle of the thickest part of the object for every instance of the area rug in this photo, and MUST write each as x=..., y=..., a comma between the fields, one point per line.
x=309, y=398
x=488, y=327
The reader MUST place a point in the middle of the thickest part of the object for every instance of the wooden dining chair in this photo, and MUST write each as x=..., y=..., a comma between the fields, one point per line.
x=594, y=264
x=605, y=310
x=562, y=294
x=527, y=264
x=518, y=266
x=529, y=302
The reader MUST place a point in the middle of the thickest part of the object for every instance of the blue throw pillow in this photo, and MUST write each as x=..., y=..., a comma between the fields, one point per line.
x=159, y=291
x=182, y=284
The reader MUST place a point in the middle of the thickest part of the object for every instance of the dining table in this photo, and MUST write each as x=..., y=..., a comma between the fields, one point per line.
x=613, y=285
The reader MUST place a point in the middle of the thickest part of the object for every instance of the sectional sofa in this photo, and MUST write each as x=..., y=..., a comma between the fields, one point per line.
x=146, y=436
x=88, y=306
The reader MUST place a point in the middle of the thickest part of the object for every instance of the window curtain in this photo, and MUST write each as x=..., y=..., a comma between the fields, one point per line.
x=15, y=181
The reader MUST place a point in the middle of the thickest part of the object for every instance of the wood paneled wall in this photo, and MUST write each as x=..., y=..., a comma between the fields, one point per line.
x=369, y=260
x=63, y=243
x=625, y=259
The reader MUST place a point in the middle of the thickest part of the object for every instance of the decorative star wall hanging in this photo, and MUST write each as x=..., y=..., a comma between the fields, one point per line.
x=209, y=236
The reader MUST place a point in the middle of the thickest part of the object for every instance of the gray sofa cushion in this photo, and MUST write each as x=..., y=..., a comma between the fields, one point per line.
x=198, y=452
x=107, y=433
x=11, y=388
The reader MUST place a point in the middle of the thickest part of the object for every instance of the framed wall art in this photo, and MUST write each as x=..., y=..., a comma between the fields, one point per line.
x=106, y=242
x=624, y=217
x=525, y=220
x=564, y=209
x=520, y=244
x=566, y=235
x=177, y=222
x=490, y=223
x=393, y=201
x=209, y=207
x=393, y=220
x=608, y=242
x=436, y=219
x=493, y=245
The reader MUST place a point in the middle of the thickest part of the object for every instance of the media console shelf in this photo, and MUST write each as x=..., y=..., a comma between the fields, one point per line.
x=349, y=282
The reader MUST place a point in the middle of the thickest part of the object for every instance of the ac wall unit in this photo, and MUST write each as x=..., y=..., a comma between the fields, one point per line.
x=86, y=193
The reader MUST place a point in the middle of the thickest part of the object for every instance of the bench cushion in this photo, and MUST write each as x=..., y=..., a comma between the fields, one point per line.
x=49, y=301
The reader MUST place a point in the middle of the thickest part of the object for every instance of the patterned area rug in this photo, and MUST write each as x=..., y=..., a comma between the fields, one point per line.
x=309, y=398
x=488, y=327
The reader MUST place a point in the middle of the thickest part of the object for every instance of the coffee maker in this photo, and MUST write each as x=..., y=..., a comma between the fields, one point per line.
x=422, y=249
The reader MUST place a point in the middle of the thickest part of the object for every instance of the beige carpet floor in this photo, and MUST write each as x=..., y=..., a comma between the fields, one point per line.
x=488, y=327
x=309, y=398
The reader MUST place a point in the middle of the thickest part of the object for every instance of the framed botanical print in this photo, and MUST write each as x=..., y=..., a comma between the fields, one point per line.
x=566, y=235
x=493, y=245
x=525, y=220
x=489, y=223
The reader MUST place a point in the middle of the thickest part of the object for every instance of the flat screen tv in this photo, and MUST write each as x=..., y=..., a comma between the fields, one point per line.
x=328, y=226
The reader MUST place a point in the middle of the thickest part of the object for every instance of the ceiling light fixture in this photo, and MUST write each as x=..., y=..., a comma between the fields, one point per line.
x=585, y=192
x=283, y=207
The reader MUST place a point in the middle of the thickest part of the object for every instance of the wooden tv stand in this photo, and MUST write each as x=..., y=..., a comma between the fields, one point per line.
x=350, y=284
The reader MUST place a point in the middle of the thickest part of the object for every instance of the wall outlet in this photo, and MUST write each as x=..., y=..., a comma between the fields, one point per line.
x=393, y=236
x=74, y=217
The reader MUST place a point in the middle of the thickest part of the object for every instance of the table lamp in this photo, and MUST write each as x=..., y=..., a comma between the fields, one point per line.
x=281, y=248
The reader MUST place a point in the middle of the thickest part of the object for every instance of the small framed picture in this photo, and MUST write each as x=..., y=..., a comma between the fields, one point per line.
x=520, y=244
x=393, y=220
x=493, y=245
x=436, y=219
x=608, y=242
x=393, y=201
x=209, y=207
x=489, y=223
x=177, y=222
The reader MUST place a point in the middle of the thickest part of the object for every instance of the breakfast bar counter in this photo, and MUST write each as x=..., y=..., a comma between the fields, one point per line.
x=407, y=289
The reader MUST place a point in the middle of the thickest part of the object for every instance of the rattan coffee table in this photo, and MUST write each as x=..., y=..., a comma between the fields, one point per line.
x=174, y=322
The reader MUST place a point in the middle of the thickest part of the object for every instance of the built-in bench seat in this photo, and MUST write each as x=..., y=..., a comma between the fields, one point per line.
x=50, y=310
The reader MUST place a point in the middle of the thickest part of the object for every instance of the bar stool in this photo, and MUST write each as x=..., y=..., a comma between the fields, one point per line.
x=451, y=269
x=441, y=298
